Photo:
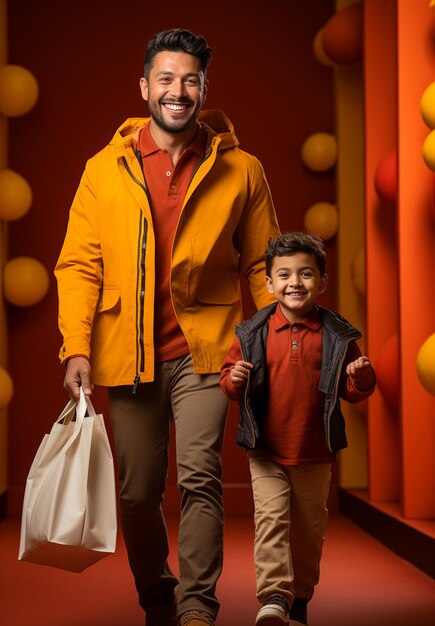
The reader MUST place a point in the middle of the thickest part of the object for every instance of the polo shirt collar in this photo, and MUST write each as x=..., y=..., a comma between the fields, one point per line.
x=278, y=321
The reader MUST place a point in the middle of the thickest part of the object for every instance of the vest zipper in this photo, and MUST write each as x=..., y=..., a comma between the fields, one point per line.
x=251, y=421
x=332, y=404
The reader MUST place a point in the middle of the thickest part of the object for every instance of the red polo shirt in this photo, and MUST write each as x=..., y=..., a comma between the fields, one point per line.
x=293, y=432
x=167, y=186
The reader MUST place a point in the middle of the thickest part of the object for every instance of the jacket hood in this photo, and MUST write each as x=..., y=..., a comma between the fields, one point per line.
x=215, y=122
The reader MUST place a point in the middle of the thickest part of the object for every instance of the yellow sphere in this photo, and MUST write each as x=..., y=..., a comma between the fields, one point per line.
x=318, y=50
x=429, y=151
x=6, y=388
x=319, y=151
x=359, y=272
x=426, y=364
x=18, y=90
x=15, y=195
x=25, y=281
x=322, y=218
x=427, y=105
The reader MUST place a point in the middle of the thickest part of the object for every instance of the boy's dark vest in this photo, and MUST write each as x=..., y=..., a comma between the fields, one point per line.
x=252, y=335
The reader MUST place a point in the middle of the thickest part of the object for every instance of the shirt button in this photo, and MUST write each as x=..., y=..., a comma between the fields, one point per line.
x=172, y=186
x=168, y=173
x=294, y=329
x=294, y=347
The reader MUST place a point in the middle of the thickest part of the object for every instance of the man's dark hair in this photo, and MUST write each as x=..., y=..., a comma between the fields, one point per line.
x=291, y=243
x=177, y=40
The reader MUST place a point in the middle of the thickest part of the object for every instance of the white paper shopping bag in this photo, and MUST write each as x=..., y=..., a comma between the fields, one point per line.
x=69, y=515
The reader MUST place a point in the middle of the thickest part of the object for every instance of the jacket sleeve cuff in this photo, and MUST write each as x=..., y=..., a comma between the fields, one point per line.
x=74, y=348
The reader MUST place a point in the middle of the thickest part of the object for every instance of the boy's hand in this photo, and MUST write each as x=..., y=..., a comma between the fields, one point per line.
x=360, y=370
x=239, y=374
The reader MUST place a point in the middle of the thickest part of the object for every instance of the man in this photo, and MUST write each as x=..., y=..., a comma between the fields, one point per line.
x=165, y=220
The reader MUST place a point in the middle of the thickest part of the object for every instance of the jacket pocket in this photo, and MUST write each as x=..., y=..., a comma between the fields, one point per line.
x=219, y=292
x=110, y=299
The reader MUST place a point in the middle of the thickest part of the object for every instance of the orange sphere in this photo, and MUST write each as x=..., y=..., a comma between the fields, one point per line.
x=343, y=35
x=427, y=105
x=15, y=195
x=6, y=388
x=319, y=151
x=385, y=180
x=18, y=90
x=426, y=364
x=322, y=218
x=387, y=371
x=25, y=281
x=318, y=50
x=429, y=151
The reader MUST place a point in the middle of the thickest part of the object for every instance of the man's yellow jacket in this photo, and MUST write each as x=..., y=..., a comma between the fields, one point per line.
x=105, y=271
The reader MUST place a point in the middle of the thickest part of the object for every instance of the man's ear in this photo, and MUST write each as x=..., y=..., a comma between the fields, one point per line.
x=143, y=84
x=269, y=284
x=323, y=283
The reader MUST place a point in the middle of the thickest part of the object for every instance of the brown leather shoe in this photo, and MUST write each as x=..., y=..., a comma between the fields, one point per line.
x=162, y=615
x=197, y=618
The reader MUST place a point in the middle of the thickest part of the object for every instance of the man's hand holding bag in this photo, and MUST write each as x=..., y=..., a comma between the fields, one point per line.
x=69, y=515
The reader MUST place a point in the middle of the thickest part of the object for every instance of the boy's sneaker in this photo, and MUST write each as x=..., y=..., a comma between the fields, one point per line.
x=274, y=612
x=298, y=612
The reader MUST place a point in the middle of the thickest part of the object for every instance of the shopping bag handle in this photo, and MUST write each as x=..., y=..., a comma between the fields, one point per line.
x=82, y=406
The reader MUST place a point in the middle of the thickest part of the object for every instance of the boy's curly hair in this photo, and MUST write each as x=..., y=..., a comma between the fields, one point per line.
x=288, y=244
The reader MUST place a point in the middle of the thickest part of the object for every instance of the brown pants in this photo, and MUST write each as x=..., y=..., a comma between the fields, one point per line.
x=290, y=519
x=140, y=425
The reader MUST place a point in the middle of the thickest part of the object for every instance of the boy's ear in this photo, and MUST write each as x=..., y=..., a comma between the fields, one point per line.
x=269, y=284
x=323, y=283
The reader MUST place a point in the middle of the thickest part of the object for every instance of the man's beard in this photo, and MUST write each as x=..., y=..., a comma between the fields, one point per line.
x=173, y=127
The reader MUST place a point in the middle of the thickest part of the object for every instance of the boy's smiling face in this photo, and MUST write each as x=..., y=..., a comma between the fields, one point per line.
x=296, y=282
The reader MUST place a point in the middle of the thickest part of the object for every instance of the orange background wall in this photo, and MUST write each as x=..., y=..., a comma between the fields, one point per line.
x=400, y=65
x=87, y=58
x=380, y=76
x=416, y=243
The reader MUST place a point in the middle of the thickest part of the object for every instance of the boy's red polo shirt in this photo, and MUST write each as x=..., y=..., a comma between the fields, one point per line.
x=293, y=431
x=167, y=186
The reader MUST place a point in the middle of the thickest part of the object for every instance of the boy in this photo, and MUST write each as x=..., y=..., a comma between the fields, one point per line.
x=288, y=366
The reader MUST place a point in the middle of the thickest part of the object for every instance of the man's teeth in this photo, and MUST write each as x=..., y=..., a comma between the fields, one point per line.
x=175, y=107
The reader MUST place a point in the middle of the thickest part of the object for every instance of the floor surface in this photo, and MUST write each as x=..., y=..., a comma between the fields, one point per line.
x=362, y=584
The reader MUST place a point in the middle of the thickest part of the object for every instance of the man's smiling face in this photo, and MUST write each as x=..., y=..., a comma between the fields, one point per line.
x=175, y=91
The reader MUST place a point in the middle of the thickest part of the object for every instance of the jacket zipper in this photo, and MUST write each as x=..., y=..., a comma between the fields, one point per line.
x=140, y=284
x=140, y=306
x=206, y=156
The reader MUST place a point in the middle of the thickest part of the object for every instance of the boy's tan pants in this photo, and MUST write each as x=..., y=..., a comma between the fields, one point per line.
x=140, y=425
x=290, y=519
